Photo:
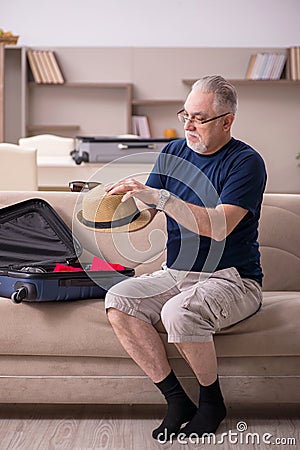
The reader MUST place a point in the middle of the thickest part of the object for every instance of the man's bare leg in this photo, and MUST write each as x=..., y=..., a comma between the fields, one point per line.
x=202, y=359
x=144, y=345
x=142, y=342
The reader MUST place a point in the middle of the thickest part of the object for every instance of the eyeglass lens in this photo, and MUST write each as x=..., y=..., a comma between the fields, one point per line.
x=183, y=118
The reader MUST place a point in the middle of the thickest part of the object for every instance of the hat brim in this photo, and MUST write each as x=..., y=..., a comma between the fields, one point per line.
x=142, y=221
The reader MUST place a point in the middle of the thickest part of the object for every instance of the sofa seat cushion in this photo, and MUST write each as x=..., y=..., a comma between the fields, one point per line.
x=74, y=328
x=272, y=331
x=80, y=328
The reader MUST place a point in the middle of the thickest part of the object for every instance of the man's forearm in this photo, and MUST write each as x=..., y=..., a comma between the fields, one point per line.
x=210, y=222
x=215, y=223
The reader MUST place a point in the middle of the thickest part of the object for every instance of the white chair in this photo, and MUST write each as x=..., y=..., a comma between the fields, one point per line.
x=49, y=144
x=18, y=168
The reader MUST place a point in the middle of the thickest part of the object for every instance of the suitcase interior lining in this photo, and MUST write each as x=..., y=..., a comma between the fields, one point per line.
x=31, y=234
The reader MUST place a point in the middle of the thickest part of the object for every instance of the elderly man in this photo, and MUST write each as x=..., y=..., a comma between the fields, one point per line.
x=210, y=186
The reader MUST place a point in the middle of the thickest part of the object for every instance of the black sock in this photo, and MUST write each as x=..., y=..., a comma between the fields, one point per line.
x=210, y=413
x=180, y=408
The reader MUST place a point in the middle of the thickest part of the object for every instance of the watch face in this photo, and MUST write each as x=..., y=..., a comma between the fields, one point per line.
x=165, y=194
x=163, y=198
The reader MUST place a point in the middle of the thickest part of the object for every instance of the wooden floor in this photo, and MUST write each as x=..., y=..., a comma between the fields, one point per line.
x=81, y=427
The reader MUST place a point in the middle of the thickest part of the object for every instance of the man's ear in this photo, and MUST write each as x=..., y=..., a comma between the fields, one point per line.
x=228, y=121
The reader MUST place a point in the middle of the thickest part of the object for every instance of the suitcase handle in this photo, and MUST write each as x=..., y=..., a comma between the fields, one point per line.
x=68, y=282
x=128, y=146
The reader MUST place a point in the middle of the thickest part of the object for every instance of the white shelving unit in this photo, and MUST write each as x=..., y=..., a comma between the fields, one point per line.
x=106, y=86
x=80, y=108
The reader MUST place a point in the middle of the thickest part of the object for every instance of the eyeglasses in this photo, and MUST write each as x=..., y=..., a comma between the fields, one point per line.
x=183, y=117
x=78, y=186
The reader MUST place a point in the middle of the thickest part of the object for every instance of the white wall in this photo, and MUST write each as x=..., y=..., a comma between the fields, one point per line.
x=157, y=23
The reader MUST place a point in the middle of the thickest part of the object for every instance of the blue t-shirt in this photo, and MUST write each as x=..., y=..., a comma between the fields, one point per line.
x=234, y=175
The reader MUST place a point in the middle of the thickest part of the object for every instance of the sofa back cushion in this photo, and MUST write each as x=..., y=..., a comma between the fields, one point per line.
x=279, y=238
x=279, y=235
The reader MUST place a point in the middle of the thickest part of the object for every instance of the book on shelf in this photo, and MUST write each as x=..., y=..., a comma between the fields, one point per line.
x=50, y=68
x=250, y=66
x=140, y=126
x=266, y=66
x=294, y=63
x=40, y=64
x=47, y=73
x=44, y=67
x=57, y=70
x=34, y=67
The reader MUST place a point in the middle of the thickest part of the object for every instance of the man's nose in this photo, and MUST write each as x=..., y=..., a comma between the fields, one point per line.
x=189, y=124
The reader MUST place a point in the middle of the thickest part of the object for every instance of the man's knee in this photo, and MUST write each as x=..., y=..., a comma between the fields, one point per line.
x=113, y=314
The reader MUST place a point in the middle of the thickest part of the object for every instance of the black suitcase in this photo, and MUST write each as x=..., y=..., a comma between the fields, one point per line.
x=33, y=240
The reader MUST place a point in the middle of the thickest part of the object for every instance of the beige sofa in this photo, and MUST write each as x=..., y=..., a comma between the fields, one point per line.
x=67, y=352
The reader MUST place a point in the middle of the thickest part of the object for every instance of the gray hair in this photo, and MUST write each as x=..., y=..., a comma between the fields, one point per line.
x=225, y=92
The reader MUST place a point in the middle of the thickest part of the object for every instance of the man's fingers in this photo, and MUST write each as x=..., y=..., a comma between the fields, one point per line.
x=125, y=185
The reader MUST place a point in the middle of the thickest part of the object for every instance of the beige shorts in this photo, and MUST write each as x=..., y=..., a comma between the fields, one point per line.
x=191, y=305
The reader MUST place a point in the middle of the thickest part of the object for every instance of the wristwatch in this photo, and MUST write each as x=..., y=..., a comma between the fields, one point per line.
x=163, y=197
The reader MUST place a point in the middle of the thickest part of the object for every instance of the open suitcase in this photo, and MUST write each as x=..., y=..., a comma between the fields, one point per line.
x=33, y=241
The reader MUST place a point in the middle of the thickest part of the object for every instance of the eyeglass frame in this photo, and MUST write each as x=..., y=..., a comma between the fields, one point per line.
x=198, y=121
x=86, y=185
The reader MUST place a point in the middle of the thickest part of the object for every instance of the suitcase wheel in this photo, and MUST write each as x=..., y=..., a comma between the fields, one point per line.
x=24, y=291
x=19, y=295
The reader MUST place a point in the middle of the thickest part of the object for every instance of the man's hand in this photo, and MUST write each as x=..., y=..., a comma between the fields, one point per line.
x=133, y=188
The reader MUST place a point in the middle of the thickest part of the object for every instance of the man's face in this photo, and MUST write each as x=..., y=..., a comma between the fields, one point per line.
x=208, y=137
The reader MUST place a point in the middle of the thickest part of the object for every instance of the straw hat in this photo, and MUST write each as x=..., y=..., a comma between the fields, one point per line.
x=106, y=213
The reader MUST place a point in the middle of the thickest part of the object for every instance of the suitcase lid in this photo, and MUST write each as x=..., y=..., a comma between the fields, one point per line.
x=32, y=233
